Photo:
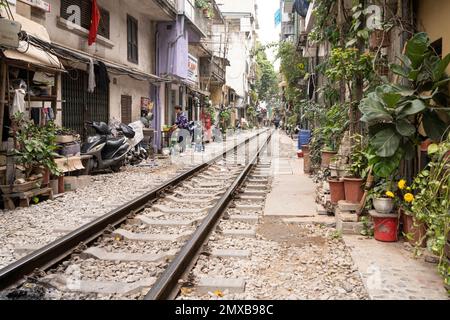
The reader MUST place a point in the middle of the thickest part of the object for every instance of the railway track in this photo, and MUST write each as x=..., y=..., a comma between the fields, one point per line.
x=144, y=249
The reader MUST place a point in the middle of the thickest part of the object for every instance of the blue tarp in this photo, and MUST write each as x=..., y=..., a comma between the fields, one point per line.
x=277, y=17
x=301, y=7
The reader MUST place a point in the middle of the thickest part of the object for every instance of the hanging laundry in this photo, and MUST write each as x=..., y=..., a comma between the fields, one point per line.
x=91, y=85
x=35, y=115
x=18, y=102
x=101, y=76
x=95, y=21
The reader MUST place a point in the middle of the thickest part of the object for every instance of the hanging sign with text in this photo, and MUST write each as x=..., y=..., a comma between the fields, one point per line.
x=192, y=74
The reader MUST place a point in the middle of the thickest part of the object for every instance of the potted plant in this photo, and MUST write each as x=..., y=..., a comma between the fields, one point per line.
x=337, y=190
x=354, y=184
x=385, y=221
x=306, y=159
x=413, y=229
x=34, y=153
x=201, y=4
x=383, y=198
x=327, y=153
x=64, y=135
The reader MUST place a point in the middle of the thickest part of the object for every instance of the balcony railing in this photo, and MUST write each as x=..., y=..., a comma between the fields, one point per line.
x=195, y=15
x=214, y=70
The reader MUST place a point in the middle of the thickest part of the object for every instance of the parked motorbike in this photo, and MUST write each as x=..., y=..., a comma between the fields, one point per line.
x=107, y=152
x=135, y=133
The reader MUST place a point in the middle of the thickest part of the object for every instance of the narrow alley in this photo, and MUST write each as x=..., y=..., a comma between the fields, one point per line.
x=224, y=158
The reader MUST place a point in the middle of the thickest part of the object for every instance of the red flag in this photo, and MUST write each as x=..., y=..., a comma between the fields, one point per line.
x=95, y=21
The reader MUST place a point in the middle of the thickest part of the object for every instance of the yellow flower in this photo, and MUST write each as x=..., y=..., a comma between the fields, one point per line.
x=409, y=197
x=390, y=194
x=402, y=184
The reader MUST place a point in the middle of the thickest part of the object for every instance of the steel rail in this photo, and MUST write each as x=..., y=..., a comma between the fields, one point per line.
x=59, y=249
x=167, y=286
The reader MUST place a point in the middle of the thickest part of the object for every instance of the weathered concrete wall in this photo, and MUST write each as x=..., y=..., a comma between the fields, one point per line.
x=113, y=49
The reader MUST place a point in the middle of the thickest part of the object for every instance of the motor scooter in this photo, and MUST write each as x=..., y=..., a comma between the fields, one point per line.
x=108, y=153
x=137, y=152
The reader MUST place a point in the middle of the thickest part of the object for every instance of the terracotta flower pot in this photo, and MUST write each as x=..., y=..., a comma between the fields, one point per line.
x=306, y=159
x=353, y=189
x=337, y=189
x=416, y=230
x=305, y=148
x=326, y=158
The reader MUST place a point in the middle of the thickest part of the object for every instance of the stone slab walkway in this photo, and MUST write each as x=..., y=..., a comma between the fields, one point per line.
x=292, y=191
x=389, y=271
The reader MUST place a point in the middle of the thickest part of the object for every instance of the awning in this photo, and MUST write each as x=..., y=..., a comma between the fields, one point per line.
x=196, y=89
x=29, y=53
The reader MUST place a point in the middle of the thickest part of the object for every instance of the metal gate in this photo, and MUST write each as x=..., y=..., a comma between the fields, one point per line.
x=79, y=105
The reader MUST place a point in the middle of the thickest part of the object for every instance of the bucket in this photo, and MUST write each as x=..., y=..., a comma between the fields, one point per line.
x=386, y=228
x=304, y=137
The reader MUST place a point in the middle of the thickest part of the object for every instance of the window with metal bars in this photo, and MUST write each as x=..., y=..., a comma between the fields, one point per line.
x=86, y=14
x=132, y=39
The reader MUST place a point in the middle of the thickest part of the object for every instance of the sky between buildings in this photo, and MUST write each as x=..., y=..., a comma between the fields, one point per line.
x=268, y=33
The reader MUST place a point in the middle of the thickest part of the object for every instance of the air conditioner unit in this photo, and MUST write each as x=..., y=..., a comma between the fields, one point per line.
x=9, y=33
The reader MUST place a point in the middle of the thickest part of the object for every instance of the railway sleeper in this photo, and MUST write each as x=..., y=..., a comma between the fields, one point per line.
x=145, y=237
x=102, y=254
x=68, y=284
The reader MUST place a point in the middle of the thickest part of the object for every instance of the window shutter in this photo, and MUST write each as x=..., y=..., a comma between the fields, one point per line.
x=103, y=28
x=126, y=106
x=132, y=39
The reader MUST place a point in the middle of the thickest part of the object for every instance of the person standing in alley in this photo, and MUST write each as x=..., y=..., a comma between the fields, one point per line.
x=181, y=123
x=276, y=121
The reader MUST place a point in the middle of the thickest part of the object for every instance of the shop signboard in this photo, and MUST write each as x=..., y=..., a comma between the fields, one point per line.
x=192, y=74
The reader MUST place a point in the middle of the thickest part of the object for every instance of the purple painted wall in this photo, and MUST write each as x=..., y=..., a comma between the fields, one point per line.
x=173, y=48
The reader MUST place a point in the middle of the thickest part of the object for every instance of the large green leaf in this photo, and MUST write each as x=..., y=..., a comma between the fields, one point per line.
x=416, y=49
x=386, y=142
x=412, y=108
x=405, y=128
x=441, y=83
x=391, y=99
x=404, y=91
x=439, y=69
x=373, y=110
x=434, y=126
x=401, y=71
x=386, y=167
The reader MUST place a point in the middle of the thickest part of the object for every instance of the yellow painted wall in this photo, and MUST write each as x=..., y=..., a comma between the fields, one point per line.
x=433, y=17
